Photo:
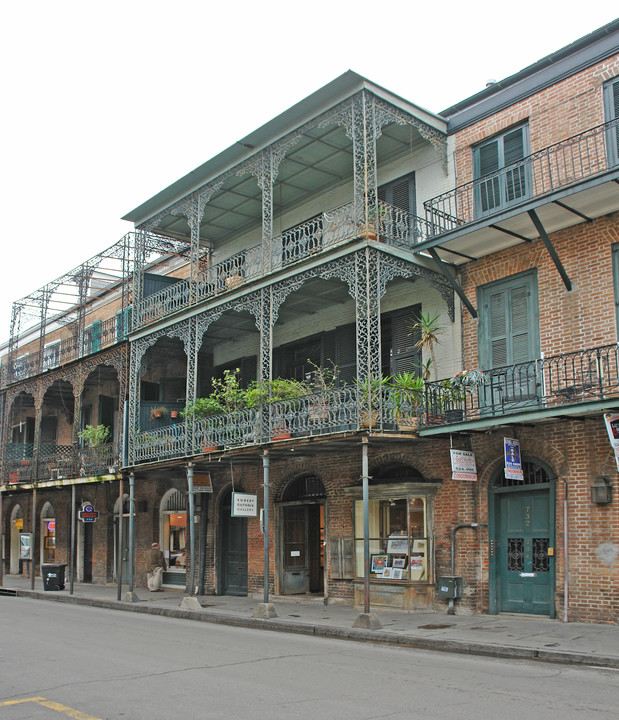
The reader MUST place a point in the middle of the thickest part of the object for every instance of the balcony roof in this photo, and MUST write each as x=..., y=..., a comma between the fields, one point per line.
x=591, y=198
x=324, y=99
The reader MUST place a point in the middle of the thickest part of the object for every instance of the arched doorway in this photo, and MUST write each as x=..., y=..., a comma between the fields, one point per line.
x=522, y=538
x=173, y=529
x=233, y=556
x=48, y=534
x=17, y=525
x=302, y=524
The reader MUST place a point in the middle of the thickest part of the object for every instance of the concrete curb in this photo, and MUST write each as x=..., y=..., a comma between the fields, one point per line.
x=342, y=633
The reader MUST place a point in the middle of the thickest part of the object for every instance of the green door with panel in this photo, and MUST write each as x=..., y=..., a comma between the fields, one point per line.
x=522, y=539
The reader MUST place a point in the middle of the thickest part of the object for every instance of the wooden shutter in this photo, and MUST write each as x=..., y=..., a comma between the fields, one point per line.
x=95, y=336
x=404, y=356
x=508, y=332
x=346, y=354
x=341, y=558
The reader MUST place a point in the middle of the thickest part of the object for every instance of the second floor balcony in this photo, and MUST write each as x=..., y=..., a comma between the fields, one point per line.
x=568, y=182
x=584, y=381
x=25, y=463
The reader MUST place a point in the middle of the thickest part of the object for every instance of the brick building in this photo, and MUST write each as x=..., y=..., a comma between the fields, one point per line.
x=273, y=301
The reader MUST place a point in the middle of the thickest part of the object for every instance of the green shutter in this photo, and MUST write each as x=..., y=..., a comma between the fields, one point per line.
x=404, y=355
x=509, y=325
x=95, y=336
x=346, y=354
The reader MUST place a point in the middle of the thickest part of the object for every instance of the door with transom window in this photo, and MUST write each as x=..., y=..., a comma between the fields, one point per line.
x=522, y=543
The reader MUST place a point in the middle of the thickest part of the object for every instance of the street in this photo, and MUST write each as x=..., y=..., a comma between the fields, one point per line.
x=92, y=663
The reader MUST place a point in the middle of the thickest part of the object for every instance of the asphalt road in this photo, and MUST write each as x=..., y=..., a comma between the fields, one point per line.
x=90, y=663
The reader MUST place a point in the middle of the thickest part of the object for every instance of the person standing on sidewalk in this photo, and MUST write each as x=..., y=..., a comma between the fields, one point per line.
x=155, y=565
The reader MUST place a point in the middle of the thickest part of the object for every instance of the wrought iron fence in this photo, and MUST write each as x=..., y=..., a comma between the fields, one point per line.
x=336, y=411
x=579, y=157
x=576, y=377
x=24, y=463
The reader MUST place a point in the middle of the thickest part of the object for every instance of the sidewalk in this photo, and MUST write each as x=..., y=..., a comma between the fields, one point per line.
x=505, y=635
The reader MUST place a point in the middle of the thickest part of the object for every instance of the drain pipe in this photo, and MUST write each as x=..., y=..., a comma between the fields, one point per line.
x=451, y=610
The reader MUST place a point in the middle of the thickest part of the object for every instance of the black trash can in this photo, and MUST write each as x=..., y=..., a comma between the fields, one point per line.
x=53, y=576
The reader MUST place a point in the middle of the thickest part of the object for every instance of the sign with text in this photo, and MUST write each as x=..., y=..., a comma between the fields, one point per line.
x=202, y=483
x=612, y=428
x=244, y=505
x=463, y=465
x=513, y=462
x=88, y=514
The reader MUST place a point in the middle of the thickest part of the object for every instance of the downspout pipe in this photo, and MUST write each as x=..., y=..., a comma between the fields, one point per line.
x=454, y=530
x=566, y=579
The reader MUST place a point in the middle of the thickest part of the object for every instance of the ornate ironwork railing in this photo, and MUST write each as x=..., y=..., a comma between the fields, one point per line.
x=96, y=337
x=551, y=382
x=389, y=224
x=24, y=463
x=557, y=166
x=336, y=411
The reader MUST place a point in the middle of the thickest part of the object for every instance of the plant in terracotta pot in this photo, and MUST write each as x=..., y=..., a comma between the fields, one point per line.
x=427, y=328
x=369, y=399
x=158, y=412
x=408, y=396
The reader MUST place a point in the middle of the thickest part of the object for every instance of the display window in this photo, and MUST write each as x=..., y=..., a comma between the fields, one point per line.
x=48, y=534
x=398, y=538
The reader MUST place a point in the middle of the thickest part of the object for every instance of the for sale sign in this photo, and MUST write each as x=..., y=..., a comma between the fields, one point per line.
x=463, y=465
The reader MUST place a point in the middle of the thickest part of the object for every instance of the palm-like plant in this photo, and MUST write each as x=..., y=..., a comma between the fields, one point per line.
x=429, y=328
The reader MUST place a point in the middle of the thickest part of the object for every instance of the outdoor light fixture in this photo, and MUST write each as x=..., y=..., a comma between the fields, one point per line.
x=601, y=491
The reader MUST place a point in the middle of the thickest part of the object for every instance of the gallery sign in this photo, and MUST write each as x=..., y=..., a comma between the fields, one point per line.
x=244, y=505
x=202, y=483
x=25, y=546
x=513, y=460
x=463, y=465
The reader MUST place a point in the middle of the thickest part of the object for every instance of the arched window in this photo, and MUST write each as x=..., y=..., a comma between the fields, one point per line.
x=306, y=487
x=173, y=528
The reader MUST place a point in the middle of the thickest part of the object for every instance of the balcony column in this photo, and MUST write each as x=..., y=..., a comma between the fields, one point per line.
x=192, y=349
x=38, y=414
x=363, y=130
x=367, y=301
x=44, y=303
x=138, y=276
x=78, y=389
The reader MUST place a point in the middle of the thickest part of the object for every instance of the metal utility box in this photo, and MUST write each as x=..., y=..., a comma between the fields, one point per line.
x=53, y=576
x=449, y=586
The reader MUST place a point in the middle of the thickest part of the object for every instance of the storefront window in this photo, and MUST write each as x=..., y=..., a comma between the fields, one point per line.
x=48, y=534
x=398, y=535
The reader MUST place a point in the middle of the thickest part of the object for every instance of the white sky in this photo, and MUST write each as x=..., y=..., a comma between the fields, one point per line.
x=105, y=104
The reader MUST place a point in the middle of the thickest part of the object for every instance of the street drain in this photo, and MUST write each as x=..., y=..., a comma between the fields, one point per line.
x=436, y=626
x=292, y=615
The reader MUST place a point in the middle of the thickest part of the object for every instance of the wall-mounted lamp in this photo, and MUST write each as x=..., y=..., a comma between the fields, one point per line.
x=601, y=491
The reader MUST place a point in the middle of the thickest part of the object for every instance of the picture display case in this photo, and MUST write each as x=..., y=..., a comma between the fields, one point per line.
x=398, y=538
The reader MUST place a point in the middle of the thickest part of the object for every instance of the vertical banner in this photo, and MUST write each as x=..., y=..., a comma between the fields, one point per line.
x=463, y=465
x=513, y=462
x=612, y=428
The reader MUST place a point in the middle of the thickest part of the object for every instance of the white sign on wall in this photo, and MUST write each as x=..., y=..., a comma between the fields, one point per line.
x=463, y=465
x=244, y=505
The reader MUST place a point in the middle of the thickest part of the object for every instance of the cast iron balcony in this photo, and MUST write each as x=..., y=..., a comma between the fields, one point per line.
x=551, y=169
x=547, y=384
x=388, y=224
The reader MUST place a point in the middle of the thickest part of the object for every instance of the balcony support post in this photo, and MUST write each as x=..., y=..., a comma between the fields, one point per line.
x=550, y=247
x=450, y=279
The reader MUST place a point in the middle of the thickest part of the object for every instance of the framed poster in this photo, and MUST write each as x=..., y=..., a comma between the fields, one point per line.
x=379, y=563
x=25, y=546
x=387, y=572
x=397, y=545
x=50, y=542
x=396, y=573
x=399, y=562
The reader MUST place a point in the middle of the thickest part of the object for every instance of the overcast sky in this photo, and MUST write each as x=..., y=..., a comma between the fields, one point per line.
x=105, y=104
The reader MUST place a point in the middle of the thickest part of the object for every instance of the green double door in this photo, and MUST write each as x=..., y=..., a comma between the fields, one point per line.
x=523, y=549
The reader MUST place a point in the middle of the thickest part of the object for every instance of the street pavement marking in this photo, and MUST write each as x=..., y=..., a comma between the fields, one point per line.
x=69, y=712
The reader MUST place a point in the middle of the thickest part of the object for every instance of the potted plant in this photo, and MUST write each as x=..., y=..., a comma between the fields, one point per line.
x=428, y=328
x=158, y=412
x=320, y=381
x=408, y=390
x=94, y=435
x=455, y=389
x=369, y=396
x=282, y=390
